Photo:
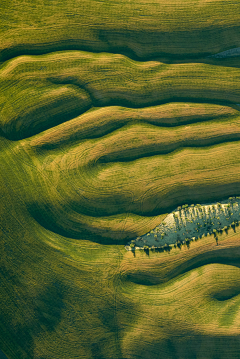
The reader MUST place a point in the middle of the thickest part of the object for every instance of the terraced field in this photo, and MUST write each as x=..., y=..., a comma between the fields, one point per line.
x=111, y=115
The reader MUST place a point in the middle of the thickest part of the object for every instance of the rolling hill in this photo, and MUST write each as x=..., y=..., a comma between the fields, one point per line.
x=111, y=115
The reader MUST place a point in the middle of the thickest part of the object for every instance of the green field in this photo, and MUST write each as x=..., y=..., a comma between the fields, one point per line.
x=112, y=114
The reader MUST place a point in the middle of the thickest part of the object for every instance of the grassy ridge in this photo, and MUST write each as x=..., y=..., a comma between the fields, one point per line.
x=95, y=198
x=160, y=269
x=71, y=298
x=75, y=193
x=140, y=28
x=47, y=83
x=209, y=294
x=141, y=140
x=107, y=119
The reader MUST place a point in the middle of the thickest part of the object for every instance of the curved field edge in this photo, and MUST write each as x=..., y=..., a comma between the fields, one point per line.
x=72, y=197
x=47, y=83
x=136, y=140
x=157, y=268
x=53, y=182
x=152, y=28
x=103, y=121
x=49, y=273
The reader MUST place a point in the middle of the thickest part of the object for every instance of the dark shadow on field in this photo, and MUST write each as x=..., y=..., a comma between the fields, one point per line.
x=117, y=310
x=227, y=294
x=186, y=344
x=153, y=150
x=45, y=119
x=46, y=315
x=48, y=217
x=179, y=245
x=49, y=306
x=99, y=131
x=2, y=355
x=139, y=45
x=97, y=322
x=50, y=115
x=116, y=203
x=148, y=43
x=43, y=217
x=221, y=256
x=146, y=251
x=189, y=194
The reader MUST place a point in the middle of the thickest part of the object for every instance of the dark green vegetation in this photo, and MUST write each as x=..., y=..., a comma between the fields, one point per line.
x=94, y=149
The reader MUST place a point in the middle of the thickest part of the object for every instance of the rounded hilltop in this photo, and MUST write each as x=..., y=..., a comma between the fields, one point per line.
x=190, y=222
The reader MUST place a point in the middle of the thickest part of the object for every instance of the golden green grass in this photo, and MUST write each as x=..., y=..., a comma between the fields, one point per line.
x=33, y=85
x=99, y=122
x=143, y=29
x=111, y=114
x=71, y=298
x=96, y=186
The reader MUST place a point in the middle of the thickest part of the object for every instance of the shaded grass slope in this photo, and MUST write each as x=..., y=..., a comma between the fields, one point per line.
x=75, y=179
x=68, y=298
x=103, y=121
x=142, y=29
x=96, y=187
x=38, y=92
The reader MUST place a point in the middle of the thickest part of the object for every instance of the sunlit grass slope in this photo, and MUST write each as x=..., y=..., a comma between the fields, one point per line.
x=112, y=114
x=38, y=92
x=111, y=168
x=143, y=29
x=94, y=151
x=75, y=191
x=66, y=298
x=107, y=119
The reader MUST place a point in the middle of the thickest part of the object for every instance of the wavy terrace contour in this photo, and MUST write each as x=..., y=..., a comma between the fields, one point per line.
x=103, y=121
x=142, y=29
x=76, y=195
x=39, y=92
x=93, y=191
